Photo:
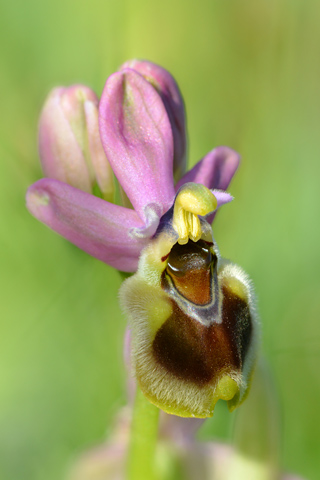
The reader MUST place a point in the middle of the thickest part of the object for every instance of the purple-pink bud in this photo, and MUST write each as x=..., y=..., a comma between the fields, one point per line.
x=136, y=135
x=172, y=99
x=69, y=141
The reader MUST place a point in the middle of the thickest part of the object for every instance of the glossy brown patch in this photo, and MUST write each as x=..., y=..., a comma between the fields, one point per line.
x=197, y=353
x=189, y=267
x=164, y=258
x=195, y=286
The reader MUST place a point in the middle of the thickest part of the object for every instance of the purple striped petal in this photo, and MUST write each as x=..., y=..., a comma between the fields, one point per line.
x=100, y=228
x=215, y=170
x=137, y=138
x=169, y=91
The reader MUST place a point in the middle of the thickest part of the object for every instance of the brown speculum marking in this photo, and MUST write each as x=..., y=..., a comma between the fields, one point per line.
x=189, y=267
x=189, y=349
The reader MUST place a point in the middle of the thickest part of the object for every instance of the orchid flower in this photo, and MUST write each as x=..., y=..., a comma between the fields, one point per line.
x=191, y=313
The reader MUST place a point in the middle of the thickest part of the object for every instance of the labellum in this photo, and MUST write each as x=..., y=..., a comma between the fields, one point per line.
x=192, y=315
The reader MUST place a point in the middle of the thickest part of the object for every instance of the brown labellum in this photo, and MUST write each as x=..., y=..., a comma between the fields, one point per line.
x=186, y=347
x=194, y=328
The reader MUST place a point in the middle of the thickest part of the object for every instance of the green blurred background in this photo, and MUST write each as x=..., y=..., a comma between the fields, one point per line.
x=249, y=72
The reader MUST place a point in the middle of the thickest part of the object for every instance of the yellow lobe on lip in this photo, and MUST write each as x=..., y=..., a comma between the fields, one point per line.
x=192, y=200
x=238, y=288
x=226, y=389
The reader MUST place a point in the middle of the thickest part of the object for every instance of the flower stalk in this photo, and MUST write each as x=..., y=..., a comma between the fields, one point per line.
x=143, y=439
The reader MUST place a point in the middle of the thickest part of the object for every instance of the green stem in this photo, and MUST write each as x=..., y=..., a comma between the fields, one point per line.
x=143, y=440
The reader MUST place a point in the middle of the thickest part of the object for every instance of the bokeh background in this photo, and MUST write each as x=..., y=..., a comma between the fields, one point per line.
x=249, y=72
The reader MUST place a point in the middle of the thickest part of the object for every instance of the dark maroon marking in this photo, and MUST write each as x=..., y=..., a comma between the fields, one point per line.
x=165, y=257
x=210, y=244
x=197, y=353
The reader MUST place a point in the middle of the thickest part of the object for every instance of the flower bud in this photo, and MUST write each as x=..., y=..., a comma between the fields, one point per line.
x=69, y=141
x=172, y=99
x=136, y=135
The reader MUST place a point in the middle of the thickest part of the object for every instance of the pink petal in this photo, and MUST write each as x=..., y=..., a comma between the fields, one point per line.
x=137, y=138
x=215, y=170
x=170, y=94
x=100, y=228
x=61, y=155
x=102, y=168
x=222, y=197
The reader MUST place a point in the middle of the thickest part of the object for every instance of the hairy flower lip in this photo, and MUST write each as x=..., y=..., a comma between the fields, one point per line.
x=189, y=353
x=181, y=387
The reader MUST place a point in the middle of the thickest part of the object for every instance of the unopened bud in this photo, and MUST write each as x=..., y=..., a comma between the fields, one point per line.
x=166, y=86
x=69, y=141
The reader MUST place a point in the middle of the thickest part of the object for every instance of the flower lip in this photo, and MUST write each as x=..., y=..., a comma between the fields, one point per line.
x=191, y=313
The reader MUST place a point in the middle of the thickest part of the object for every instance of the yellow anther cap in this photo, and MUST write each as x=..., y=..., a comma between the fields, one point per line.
x=192, y=200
